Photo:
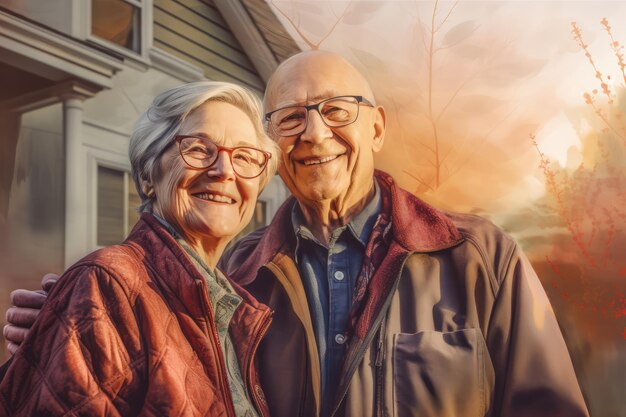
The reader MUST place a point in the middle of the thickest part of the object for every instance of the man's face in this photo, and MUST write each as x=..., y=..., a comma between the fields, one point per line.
x=324, y=163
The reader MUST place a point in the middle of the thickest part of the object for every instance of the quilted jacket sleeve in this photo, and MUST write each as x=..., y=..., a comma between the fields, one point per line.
x=534, y=372
x=82, y=356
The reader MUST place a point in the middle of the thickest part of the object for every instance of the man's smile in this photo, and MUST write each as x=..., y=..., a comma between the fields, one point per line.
x=318, y=160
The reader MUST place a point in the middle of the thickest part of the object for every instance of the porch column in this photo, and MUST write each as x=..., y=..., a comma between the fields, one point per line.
x=77, y=192
x=75, y=213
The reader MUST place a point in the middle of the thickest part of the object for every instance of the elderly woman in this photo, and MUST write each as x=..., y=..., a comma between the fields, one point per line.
x=150, y=327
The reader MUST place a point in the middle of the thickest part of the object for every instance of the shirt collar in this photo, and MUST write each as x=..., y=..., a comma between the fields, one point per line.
x=363, y=223
x=360, y=226
x=167, y=226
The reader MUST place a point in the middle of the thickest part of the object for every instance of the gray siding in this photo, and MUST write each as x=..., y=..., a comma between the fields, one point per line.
x=195, y=31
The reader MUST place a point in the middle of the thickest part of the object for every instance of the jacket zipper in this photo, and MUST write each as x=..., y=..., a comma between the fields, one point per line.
x=217, y=346
x=368, y=338
x=380, y=356
x=266, y=321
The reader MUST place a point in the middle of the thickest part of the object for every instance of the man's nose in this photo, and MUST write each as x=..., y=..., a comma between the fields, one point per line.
x=222, y=167
x=316, y=130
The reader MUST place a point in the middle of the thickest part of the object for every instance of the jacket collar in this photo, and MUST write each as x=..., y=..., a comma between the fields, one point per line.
x=159, y=249
x=416, y=226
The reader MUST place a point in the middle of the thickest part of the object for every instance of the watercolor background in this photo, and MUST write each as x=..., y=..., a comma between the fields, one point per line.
x=494, y=108
x=515, y=111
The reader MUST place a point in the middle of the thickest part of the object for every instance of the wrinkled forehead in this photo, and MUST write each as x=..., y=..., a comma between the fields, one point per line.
x=314, y=79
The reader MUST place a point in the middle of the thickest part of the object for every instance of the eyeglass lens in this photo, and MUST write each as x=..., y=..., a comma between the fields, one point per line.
x=202, y=153
x=335, y=112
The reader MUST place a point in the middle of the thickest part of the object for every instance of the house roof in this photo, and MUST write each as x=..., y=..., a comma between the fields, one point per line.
x=280, y=42
x=260, y=33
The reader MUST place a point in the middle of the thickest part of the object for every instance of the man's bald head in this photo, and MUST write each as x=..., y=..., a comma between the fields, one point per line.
x=328, y=166
x=304, y=68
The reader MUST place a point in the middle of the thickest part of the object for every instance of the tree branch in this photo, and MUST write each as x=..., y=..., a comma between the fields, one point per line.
x=334, y=26
x=296, y=27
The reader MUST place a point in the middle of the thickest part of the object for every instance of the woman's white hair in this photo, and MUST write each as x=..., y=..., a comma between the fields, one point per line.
x=158, y=126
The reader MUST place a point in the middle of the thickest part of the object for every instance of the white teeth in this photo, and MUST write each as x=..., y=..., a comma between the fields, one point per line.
x=319, y=161
x=215, y=197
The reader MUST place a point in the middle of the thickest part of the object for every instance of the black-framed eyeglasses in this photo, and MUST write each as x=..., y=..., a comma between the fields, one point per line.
x=335, y=112
x=201, y=153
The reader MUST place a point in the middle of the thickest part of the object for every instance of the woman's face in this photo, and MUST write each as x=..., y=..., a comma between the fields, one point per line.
x=212, y=203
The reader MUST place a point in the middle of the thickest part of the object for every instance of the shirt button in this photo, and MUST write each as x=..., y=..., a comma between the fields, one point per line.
x=340, y=339
x=339, y=276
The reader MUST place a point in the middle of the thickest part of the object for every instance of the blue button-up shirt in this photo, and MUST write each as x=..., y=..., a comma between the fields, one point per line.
x=329, y=274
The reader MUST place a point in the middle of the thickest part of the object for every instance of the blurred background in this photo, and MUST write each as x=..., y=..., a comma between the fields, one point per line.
x=514, y=110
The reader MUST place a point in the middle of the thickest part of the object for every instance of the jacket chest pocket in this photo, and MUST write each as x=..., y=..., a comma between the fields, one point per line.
x=441, y=374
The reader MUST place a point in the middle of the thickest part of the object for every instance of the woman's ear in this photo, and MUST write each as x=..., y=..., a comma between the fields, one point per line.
x=380, y=124
x=147, y=188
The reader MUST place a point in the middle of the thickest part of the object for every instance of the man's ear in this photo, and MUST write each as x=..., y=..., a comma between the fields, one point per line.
x=380, y=124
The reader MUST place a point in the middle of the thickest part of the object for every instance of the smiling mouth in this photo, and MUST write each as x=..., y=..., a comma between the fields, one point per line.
x=318, y=161
x=217, y=198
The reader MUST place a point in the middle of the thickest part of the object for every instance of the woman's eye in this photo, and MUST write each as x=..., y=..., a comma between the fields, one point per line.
x=243, y=158
x=197, y=149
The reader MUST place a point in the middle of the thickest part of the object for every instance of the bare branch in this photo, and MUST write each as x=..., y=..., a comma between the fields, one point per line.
x=430, y=92
x=447, y=16
x=456, y=92
x=479, y=144
x=426, y=146
x=334, y=26
x=295, y=26
x=419, y=180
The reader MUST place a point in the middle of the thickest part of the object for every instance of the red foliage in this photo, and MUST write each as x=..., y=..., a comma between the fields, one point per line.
x=591, y=200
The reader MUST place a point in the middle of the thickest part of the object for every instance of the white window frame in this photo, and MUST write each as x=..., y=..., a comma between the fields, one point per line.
x=128, y=181
x=101, y=159
x=145, y=31
x=105, y=146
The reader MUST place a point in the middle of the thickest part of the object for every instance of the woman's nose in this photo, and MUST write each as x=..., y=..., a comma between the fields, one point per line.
x=223, y=166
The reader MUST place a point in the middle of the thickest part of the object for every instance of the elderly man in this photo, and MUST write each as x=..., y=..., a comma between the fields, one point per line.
x=383, y=304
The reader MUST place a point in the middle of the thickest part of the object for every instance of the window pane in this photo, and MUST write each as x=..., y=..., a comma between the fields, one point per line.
x=110, y=206
x=116, y=21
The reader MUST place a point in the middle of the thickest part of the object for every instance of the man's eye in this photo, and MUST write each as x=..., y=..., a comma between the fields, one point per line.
x=293, y=117
x=335, y=113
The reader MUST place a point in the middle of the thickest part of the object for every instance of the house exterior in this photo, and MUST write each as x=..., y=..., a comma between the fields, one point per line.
x=74, y=76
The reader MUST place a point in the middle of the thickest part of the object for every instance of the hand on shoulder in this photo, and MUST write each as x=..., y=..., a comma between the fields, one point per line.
x=22, y=315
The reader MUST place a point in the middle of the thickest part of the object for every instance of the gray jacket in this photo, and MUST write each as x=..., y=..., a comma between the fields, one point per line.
x=456, y=323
